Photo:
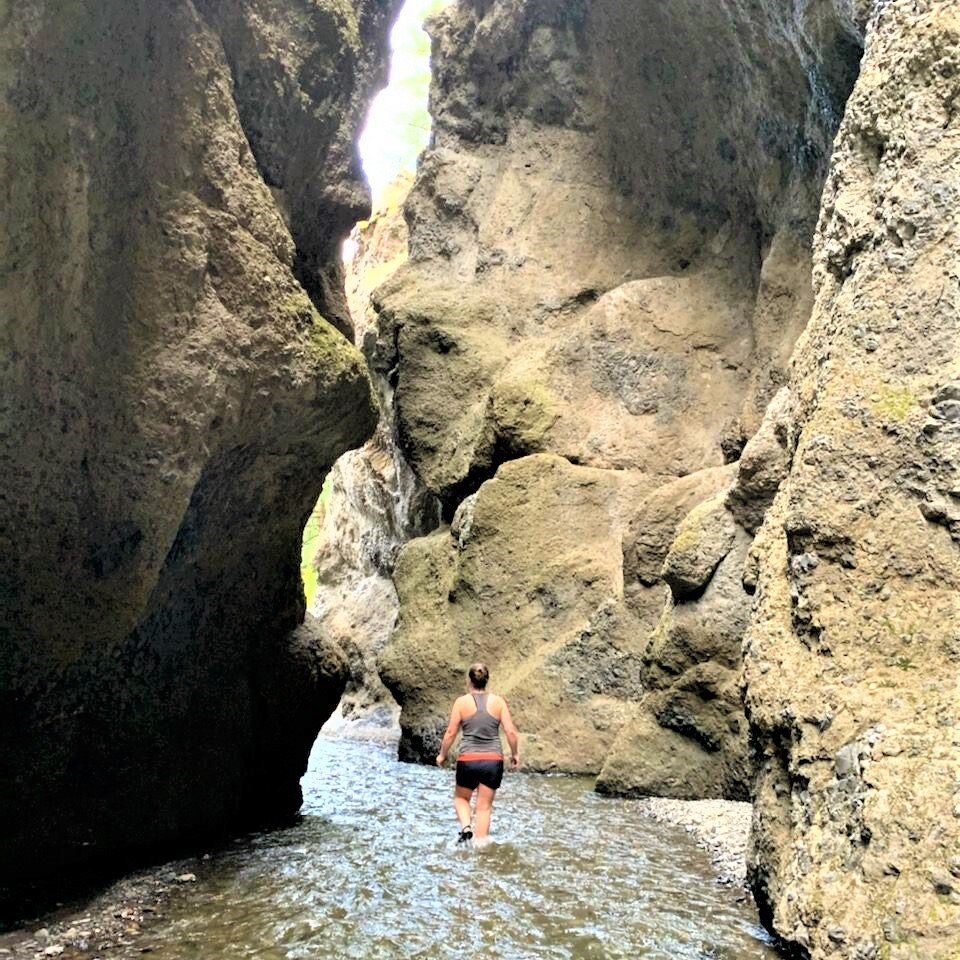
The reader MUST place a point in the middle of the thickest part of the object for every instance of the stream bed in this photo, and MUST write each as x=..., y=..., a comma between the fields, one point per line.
x=372, y=871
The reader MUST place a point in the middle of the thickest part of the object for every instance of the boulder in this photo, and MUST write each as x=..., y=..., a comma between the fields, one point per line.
x=530, y=580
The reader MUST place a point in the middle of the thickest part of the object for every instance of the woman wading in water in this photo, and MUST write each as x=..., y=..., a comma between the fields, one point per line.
x=480, y=762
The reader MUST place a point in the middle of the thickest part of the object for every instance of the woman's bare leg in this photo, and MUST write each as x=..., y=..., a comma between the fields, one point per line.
x=484, y=810
x=461, y=803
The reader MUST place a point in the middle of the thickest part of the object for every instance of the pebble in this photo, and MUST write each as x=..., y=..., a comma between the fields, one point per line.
x=847, y=761
x=942, y=883
x=837, y=934
x=106, y=923
x=721, y=827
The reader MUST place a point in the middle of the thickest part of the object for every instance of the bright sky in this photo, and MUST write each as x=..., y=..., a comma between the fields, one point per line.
x=398, y=126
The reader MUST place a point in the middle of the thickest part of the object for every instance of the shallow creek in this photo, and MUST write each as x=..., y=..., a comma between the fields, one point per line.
x=372, y=872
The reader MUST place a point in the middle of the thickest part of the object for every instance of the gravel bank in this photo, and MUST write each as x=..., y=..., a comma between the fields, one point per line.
x=719, y=826
x=111, y=925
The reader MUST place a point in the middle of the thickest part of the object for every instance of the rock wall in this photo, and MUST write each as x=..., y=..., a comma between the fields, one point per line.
x=171, y=399
x=852, y=654
x=610, y=262
x=375, y=502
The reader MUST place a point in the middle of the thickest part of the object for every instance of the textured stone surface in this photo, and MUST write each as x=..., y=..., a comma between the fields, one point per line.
x=609, y=257
x=852, y=655
x=703, y=539
x=530, y=578
x=374, y=502
x=171, y=399
x=609, y=263
x=688, y=738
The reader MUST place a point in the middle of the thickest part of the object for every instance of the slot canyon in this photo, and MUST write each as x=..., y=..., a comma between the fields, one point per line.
x=641, y=386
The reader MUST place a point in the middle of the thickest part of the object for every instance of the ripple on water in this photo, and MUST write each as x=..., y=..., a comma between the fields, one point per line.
x=372, y=872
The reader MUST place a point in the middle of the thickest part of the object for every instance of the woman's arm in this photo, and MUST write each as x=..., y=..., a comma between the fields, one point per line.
x=513, y=738
x=452, y=727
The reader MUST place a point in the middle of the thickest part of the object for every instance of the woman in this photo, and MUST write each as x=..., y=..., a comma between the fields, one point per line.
x=480, y=761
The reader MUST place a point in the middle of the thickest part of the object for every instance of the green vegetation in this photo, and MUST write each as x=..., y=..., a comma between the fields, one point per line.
x=398, y=127
x=299, y=307
x=311, y=536
x=904, y=663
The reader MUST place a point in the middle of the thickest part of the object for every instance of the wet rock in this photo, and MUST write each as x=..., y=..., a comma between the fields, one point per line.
x=373, y=503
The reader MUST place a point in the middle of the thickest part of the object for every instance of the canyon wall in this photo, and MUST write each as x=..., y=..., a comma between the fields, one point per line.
x=853, y=650
x=699, y=567
x=177, y=180
x=374, y=502
x=610, y=263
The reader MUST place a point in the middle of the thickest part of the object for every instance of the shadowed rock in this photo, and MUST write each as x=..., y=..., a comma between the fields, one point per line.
x=171, y=400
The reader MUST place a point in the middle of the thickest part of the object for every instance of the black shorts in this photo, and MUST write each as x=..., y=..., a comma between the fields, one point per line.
x=472, y=773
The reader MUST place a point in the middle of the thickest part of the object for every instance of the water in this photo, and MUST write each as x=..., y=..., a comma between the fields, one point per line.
x=372, y=872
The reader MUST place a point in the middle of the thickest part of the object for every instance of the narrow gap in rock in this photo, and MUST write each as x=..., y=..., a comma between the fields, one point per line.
x=371, y=502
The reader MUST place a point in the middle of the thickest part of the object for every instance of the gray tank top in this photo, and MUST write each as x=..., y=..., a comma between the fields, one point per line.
x=481, y=730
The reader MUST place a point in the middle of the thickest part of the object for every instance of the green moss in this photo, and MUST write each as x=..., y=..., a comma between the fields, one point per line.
x=690, y=531
x=308, y=552
x=329, y=348
x=345, y=15
x=299, y=308
x=325, y=344
x=686, y=539
x=525, y=410
x=895, y=403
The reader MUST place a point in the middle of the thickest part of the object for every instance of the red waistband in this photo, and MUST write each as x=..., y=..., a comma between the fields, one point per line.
x=479, y=756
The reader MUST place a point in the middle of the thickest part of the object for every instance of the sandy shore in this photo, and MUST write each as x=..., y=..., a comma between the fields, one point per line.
x=719, y=826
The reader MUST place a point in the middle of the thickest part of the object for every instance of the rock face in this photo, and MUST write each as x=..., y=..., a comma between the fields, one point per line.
x=610, y=262
x=375, y=502
x=689, y=740
x=852, y=654
x=171, y=399
x=529, y=577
